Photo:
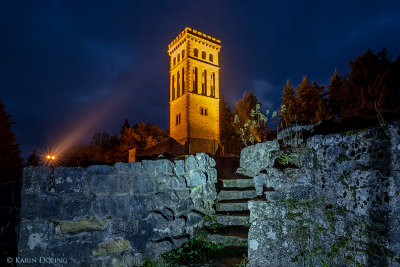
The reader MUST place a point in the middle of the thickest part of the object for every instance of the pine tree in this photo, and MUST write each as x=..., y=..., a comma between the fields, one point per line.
x=10, y=160
x=227, y=135
x=336, y=95
x=124, y=126
x=363, y=72
x=33, y=159
x=309, y=99
x=288, y=106
x=243, y=112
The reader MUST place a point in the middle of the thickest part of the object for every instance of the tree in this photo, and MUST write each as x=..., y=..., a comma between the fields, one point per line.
x=370, y=80
x=10, y=160
x=309, y=98
x=129, y=139
x=243, y=112
x=229, y=139
x=33, y=159
x=337, y=96
x=124, y=126
x=288, y=112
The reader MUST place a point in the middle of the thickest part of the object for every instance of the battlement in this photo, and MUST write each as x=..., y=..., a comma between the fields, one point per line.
x=190, y=31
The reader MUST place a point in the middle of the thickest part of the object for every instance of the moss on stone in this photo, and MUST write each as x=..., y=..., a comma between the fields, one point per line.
x=114, y=246
x=71, y=227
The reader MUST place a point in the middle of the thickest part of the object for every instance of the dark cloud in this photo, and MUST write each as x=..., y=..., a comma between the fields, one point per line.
x=61, y=61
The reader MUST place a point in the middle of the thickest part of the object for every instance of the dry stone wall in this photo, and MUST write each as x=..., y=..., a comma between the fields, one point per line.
x=113, y=215
x=337, y=205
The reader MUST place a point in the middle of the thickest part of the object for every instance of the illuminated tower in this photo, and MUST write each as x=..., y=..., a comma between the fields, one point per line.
x=194, y=90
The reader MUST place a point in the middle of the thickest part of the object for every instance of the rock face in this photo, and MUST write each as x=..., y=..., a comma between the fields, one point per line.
x=338, y=204
x=114, y=215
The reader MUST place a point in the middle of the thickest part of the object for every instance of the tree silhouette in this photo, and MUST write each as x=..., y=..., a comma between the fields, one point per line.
x=33, y=159
x=337, y=96
x=227, y=135
x=289, y=106
x=370, y=79
x=10, y=160
x=309, y=100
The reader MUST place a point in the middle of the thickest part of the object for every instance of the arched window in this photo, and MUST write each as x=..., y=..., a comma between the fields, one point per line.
x=173, y=87
x=183, y=54
x=195, y=89
x=179, y=57
x=183, y=81
x=196, y=52
x=203, y=55
x=211, y=58
x=174, y=61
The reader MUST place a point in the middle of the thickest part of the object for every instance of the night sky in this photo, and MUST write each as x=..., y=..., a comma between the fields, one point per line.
x=69, y=68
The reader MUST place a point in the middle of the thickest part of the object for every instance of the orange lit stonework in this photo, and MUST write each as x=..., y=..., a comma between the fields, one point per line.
x=194, y=90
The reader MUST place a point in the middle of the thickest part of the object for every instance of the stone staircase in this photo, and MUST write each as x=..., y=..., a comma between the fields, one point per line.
x=232, y=213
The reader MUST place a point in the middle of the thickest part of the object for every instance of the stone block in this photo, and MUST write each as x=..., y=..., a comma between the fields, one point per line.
x=194, y=178
x=202, y=160
x=191, y=163
x=257, y=157
x=212, y=175
x=164, y=167
x=179, y=167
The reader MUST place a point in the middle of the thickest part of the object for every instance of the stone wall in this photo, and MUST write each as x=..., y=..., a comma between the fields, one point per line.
x=114, y=215
x=337, y=202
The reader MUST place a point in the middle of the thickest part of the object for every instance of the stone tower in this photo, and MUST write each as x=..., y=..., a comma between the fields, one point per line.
x=194, y=90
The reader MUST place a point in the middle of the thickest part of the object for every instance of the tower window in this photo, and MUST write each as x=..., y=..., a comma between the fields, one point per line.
x=195, y=89
x=183, y=53
x=178, y=119
x=204, y=83
x=203, y=55
x=196, y=52
x=179, y=57
x=178, y=85
x=173, y=87
x=183, y=81
x=203, y=111
x=211, y=58
x=174, y=61
x=213, y=84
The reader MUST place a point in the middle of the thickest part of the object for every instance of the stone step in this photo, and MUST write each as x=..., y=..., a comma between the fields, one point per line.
x=239, y=183
x=232, y=206
x=228, y=220
x=227, y=240
x=230, y=194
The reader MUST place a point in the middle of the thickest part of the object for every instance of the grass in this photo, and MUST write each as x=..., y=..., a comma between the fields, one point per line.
x=201, y=251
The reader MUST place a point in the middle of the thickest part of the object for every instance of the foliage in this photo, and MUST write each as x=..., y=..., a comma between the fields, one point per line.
x=250, y=123
x=286, y=159
x=243, y=263
x=10, y=160
x=370, y=90
x=106, y=149
x=195, y=251
x=229, y=138
x=246, y=120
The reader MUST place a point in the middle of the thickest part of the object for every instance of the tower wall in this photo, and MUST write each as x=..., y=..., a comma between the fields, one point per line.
x=194, y=102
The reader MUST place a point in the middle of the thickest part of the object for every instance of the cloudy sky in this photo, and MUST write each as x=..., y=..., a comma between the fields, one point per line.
x=69, y=69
